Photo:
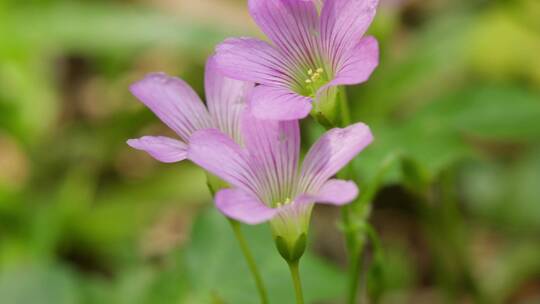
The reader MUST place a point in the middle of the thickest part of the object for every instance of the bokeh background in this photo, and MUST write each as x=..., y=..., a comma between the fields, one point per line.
x=454, y=105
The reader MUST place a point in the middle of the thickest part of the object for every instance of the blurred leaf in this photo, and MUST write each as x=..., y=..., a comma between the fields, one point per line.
x=163, y=185
x=97, y=27
x=415, y=177
x=430, y=63
x=27, y=91
x=122, y=210
x=507, y=194
x=43, y=285
x=494, y=113
x=216, y=266
x=392, y=272
x=515, y=266
x=449, y=129
x=502, y=46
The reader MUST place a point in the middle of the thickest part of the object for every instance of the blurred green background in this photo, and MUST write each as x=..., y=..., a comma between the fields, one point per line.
x=86, y=219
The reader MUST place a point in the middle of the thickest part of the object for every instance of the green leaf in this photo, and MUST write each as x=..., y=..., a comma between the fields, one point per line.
x=98, y=27
x=216, y=266
x=38, y=284
x=451, y=128
x=506, y=194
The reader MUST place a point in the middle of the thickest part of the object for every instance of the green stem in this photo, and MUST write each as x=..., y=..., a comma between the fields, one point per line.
x=355, y=266
x=354, y=246
x=457, y=234
x=344, y=107
x=295, y=275
x=250, y=260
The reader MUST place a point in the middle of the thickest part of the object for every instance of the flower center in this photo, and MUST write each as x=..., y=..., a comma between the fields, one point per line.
x=315, y=79
x=286, y=202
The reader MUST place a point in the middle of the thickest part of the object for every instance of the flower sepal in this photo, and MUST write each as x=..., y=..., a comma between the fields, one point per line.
x=321, y=119
x=290, y=228
x=291, y=251
x=326, y=109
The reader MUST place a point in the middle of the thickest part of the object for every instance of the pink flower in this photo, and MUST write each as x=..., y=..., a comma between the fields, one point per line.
x=311, y=53
x=181, y=109
x=267, y=183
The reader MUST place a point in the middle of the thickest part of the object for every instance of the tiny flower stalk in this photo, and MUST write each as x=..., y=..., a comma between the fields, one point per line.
x=290, y=236
x=355, y=226
x=294, y=267
x=248, y=256
x=353, y=216
x=215, y=184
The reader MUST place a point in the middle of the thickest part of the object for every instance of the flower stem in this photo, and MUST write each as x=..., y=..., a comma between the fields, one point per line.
x=295, y=275
x=355, y=267
x=249, y=260
x=355, y=243
x=344, y=108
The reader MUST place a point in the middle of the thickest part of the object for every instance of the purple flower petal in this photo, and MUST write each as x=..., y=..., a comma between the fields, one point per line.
x=292, y=25
x=343, y=23
x=274, y=149
x=162, y=148
x=244, y=207
x=218, y=154
x=357, y=65
x=337, y=192
x=174, y=102
x=225, y=99
x=331, y=152
x=277, y=103
x=250, y=59
x=332, y=192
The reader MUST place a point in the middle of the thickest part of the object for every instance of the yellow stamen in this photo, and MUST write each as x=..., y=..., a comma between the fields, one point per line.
x=314, y=80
